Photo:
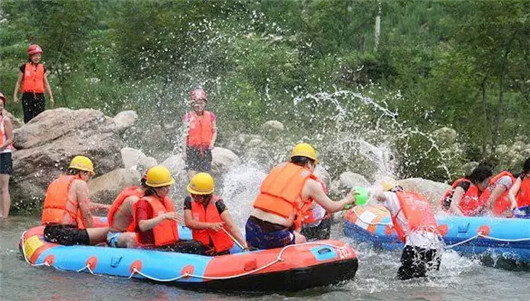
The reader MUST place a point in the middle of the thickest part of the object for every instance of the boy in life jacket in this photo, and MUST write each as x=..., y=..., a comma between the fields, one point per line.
x=121, y=217
x=463, y=198
x=208, y=218
x=495, y=196
x=6, y=164
x=415, y=225
x=276, y=218
x=33, y=81
x=66, y=213
x=200, y=135
x=155, y=218
x=519, y=194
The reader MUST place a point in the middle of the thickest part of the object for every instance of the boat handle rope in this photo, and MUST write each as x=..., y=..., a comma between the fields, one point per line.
x=188, y=275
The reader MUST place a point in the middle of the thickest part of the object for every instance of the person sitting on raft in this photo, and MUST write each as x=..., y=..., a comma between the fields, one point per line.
x=208, y=218
x=66, y=214
x=495, y=196
x=519, y=194
x=463, y=198
x=415, y=225
x=155, y=219
x=276, y=217
x=121, y=224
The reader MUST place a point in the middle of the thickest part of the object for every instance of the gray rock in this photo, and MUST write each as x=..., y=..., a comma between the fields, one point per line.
x=105, y=188
x=223, y=159
x=125, y=120
x=131, y=157
x=430, y=189
x=445, y=135
x=273, y=126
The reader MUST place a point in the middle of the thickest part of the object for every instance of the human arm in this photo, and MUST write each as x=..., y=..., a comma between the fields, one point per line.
x=17, y=86
x=143, y=211
x=313, y=190
x=513, y=192
x=48, y=89
x=81, y=189
x=233, y=229
x=8, y=128
x=455, y=201
x=198, y=225
x=214, y=134
x=495, y=194
x=98, y=206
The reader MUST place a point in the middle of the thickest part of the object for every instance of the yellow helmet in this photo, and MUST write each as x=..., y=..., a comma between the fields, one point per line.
x=304, y=150
x=201, y=183
x=82, y=163
x=388, y=183
x=158, y=176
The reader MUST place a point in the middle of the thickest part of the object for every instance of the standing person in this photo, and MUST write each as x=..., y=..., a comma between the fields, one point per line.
x=33, y=81
x=416, y=226
x=519, y=194
x=208, y=218
x=66, y=213
x=463, y=198
x=200, y=136
x=276, y=218
x=6, y=165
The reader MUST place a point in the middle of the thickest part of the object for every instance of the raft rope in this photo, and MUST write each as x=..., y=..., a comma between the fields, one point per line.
x=189, y=275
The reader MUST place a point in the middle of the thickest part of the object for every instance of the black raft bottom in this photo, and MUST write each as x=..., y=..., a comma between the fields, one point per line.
x=291, y=280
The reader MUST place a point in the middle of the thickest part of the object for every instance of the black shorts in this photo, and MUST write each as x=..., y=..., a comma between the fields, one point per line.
x=6, y=164
x=198, y=160
x=416, y=262
x=66, y=235
x=33, y=104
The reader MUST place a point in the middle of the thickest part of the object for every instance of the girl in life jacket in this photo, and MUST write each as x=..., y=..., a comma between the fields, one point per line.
x=463, y=198
x=519, y=194
x=495, y=196
x=208, y=218
x=6, y=164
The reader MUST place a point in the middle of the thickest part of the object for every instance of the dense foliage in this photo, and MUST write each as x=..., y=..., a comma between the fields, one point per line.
x=460, y=64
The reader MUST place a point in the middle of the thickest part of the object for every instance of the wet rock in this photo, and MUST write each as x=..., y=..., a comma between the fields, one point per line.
x=445, y=135
x=48, y=142
x=146, y=163
x=105, y=188
x=131, y=157
x=223, y=159
x=322, y=174
x=125, y=120
x=430, y=189
x=175, y=164
x=273, y=126
x=347, y=180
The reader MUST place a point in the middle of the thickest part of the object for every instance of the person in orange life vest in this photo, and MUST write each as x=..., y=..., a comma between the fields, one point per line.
x=155, y=219
x=316, y=223
x=276, y=218
x=495, y=196
x=33, y=81
x=66, y=213
x=519, y=194
x=200, y=135
x=121, y=224
x=6, y=164
x=463, y=198
x=208, y=218
x=415, y=225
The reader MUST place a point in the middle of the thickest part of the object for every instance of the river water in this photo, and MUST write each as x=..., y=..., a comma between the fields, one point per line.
x=458, y=279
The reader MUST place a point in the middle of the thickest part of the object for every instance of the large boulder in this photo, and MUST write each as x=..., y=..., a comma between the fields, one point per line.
x=223, y=159
x=273, y=126
x=445, y=135
x=124, y=120
x=430, y=189
x=347, y=180
x=136, y=159
x=47, y=143
x=105, y=188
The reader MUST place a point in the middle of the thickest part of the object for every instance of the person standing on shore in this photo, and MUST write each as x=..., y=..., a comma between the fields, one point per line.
x=6, y=164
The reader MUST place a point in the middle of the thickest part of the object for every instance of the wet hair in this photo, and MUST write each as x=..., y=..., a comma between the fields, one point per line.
x=73, y=171
x=150, y=191
x=143, y=182
x=479, y=174
x=526, y=168
x=301, y=161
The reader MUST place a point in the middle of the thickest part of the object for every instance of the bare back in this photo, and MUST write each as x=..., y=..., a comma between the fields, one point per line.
x=124, y=215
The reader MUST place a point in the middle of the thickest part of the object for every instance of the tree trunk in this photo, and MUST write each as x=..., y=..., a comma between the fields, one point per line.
x=485, y=115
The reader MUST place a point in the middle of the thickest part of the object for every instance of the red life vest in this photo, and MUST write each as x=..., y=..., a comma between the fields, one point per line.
x=33, y=80
x=166, y=232
x=523, y=195
x=220, y=240
x=116, y=205
x=502, y=203
x=200, y=131
x=3, y=136
x=56, y=209
x=470, y=204
x=308, y=213
x=417, y=212
x=281, y=191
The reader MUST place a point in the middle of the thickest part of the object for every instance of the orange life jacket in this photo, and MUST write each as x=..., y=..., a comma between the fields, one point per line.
x=33, y=80
x=308, y=213
x=116, y=205
x=166, y=232
x=3, y=136
x=502, y=203
x=220, y=240
x=55, y=209
x=200, y=132
x=523, y=195
x=470, y=204
x=281, y=191
x=417, y=212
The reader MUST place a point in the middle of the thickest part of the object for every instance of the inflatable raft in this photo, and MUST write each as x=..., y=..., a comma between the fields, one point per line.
x=291, y=268
x=508, y=238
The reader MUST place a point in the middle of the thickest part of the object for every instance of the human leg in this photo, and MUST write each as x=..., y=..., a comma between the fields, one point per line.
x=5, y=198
x=97, y=235
x=412, y=265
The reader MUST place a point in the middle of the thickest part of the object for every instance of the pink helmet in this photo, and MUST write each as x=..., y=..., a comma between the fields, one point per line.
x=3, y=98
x=198, y=94
x=33, y=49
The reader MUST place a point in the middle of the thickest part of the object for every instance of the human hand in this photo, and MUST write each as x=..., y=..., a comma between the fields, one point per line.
x=350, y=197
x=173, y=216
x=216, y=226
